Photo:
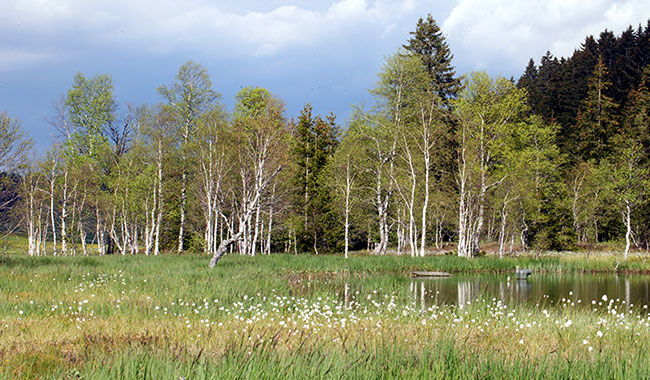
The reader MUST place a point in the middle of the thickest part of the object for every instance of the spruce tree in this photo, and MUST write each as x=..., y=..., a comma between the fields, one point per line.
x=596, y=121
x=529, y=81
x=637, y=113
x=428, y=42
x=315, y=140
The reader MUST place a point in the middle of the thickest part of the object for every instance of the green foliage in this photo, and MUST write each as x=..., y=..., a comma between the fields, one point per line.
x=491, y=114
x=190, y=94
x=91, y=106
x=314, y=142
x=428, y=43
x=597, y=119
x=558, y=87
x=14, y=145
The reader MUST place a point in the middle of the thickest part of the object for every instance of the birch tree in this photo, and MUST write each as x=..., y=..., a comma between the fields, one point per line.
x=628, y=181
x=343, y=178
x=14, y=147
x=214, y=163
x=260, y=141
x=188, y=97
x=33, y=199
x=487, y=109
x=376, y=146
x=157, y=131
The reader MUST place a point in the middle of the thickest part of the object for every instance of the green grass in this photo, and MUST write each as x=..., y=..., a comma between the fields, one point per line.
x=285, y=316
x=440, y=361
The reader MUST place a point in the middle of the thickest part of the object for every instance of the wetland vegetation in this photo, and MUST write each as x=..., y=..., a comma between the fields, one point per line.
x=302, y=316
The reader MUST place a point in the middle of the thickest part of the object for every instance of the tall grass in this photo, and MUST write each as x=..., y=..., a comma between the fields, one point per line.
x=438, y=361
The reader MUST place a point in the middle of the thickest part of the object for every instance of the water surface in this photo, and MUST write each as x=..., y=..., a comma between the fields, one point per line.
x=544, y=290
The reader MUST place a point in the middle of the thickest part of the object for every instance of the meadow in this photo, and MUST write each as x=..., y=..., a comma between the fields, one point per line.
x=294, y=317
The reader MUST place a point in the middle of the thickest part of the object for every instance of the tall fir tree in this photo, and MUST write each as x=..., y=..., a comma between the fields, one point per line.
x=429, y=44
x=596, y=121
x=528, y=80
x=637, y=113
x=315, y=141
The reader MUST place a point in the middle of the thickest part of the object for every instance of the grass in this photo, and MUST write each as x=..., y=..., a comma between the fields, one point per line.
x=285, y=316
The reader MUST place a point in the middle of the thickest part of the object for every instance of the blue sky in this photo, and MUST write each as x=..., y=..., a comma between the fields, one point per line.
x=327, y=53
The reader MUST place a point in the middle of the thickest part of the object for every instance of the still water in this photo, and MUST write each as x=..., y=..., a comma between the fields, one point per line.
x=544, y=290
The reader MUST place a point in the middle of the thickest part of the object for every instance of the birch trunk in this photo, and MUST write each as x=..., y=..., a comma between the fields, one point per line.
x=348, y=188
x=150, y=223
x=463, y=207
x=64, y=214
x=257, y=231
x=268, y=237
x=425, y=206
x=504, y=216
x=628, y=227
x=52, y=181
x=82, y=231
x=482, y=192
x=248, y=207
x=159, y=205
x=31, y=233
x=181, y=229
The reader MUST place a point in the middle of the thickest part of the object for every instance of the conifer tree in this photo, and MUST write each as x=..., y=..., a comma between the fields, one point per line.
x=428, y=42
x=637, y=115
x=315, y=141
x=596, y=121
x=529, y=81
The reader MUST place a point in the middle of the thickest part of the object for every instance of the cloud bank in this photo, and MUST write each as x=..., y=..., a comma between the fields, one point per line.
x=507, y=33
x=215, y=26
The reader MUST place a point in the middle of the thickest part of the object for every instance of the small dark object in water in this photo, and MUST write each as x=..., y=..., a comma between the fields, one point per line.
x=417, y=273
x=523, y=274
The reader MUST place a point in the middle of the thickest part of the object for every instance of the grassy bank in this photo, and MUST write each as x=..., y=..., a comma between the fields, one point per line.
x=566, y=262
x=289, y=316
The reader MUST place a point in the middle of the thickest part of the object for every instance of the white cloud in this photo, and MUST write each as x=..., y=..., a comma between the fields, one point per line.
x=170, y=24
x=510, y=32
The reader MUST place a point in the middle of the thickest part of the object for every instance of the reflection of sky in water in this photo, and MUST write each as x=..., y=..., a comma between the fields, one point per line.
x=544, y=290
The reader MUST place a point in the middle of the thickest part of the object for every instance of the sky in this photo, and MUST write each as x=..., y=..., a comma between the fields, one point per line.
x=326, y=53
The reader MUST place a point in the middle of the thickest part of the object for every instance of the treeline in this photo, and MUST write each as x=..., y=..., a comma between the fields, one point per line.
x=561, y=90
x=437, y=162
x=598, y=97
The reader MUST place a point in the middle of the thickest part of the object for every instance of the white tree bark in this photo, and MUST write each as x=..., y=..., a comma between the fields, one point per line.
x=159, y=204
x=464, y=232
x=249, y=206
x=348, y=190
x=52, y=219
x=628, y=228
x=30, y=188
x=268, y=237
x=80, y=226
x=64, y=213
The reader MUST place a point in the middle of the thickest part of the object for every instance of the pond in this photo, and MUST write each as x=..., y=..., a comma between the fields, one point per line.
x=543, y=290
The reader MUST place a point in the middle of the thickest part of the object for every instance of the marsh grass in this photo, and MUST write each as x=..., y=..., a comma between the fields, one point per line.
x=284, y=316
